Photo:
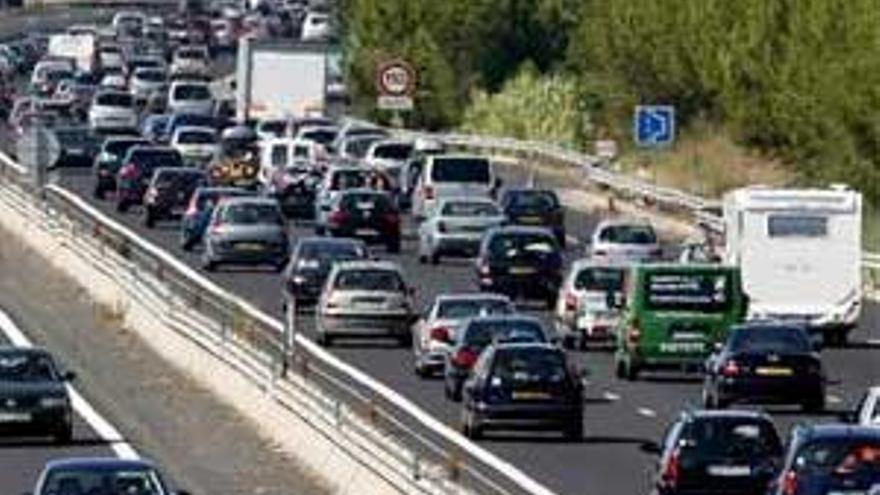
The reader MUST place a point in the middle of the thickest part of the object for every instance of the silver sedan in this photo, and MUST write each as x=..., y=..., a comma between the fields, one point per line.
x=456, y=227
x=246, y=231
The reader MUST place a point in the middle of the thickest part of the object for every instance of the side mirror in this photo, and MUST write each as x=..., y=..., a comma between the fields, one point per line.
x=68, y=376
x=717, y=346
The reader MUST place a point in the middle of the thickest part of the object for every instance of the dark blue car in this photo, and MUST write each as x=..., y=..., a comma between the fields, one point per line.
x=535, y=207
x=77, y=476
x=198, y=213
x=187, y=120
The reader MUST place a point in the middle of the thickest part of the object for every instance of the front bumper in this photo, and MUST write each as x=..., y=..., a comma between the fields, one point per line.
x=274, y=255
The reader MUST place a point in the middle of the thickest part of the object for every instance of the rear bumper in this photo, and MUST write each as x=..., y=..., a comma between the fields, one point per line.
x=467, y=245
x=787, y=390
x=273, y=256
x=537, y=285
x=397, y=325
x=526, y=415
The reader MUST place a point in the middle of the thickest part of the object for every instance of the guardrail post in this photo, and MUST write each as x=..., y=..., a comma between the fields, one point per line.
x=416, y=466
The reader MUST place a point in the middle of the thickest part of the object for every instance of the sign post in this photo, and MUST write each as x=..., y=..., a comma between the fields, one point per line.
x=396, y=85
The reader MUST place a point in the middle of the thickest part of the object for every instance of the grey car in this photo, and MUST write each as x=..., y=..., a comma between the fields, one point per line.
x=623, y=241
x=435, y=332
x=246, y=231
x=365, y=299
x=456, y=227
x=335, y=180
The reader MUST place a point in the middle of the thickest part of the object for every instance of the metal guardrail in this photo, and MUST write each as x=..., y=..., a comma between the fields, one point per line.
x=375, y=424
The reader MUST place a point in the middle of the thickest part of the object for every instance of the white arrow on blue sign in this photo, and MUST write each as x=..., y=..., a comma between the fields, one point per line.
x=654, y=125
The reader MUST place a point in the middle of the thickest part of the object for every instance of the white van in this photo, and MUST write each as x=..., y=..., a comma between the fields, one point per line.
x=446, y=176
x=800, y=255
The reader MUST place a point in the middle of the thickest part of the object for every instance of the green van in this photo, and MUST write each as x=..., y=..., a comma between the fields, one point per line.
x=672, y=315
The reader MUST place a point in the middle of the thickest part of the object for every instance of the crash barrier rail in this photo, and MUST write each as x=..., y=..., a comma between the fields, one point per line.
x=375, y=425
x=702, y=211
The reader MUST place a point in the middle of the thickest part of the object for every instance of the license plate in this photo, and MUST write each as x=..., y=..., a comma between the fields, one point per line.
x=14, y=417
x=249, y=246
x=687, y=336
x=849, y=492
x=681, y=347
x=530, y=395
x=774, y=371
x=522, y=270
x=365, y=232
x=530, y=219
x=729, y=471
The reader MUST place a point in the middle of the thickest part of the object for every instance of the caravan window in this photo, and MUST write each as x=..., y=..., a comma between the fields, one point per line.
x=797, y=226
x=279, y=155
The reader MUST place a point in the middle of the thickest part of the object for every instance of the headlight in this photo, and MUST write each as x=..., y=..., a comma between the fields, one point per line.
x=52, y=402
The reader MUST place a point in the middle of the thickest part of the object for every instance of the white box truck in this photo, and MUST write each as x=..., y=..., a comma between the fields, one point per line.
x=280, y=79
x=81, y=48
x=800, y=255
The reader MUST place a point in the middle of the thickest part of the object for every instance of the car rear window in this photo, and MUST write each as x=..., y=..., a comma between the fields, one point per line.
x=480, y=334
x=599, y=279
x=26, y=367
x=150, y=75
x=770, y=339
x=252, y=214
x=529, y=365
x=533, y=200
x=276, y=127
x=333, y=251
x=628, y=234
x=115, y=100
x=196, y=137
x=735, y=438
x=469, y=308
x=370, y=279
x=154, y=158
x=320, y=136
x=464, y=170
x=400, y=151
x=348, y=179
x=508, y=246
x=191, y=92
x=840, y=455
x=470, y=209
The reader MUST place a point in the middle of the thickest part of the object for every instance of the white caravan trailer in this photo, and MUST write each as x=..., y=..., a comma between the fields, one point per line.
x=800, y=254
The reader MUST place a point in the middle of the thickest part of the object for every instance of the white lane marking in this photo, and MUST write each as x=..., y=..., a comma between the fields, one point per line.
x=610, y=396
x=648, y=413
x=873, y=342
x=102, y=427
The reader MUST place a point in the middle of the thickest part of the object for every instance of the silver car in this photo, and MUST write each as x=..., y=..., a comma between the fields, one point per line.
x=365, y=299
x=148, y=81
x=456, y=227
x=336, y=180
x=435, y=332
x=582, y=312
x=246, y=231
x=624, y=241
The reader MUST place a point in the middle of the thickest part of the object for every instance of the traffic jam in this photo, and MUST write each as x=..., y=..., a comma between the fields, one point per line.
x=270, y=174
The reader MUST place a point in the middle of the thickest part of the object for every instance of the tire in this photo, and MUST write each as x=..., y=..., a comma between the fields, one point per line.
x=574, y=431
x=708, y=398
x=550, y=301
x=814, y=405
x=835, y=337
x=98, y=193
x=626, y=371
x=423, y=259
x=435, y=258
x=188, y=244
x=568, y=342
x=323, y=340
x=453, y=392
x=393, y=245
x=122, y=206
x=209, y=265
x=406, y=340
x=64, y=435
x=470, y=426
x=421, y=371
x=320, y=230
x=149, y=218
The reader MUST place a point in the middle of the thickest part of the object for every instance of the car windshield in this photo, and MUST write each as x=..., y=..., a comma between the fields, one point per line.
x=251, y=214
x=115, y=100
x=103, y=482
x=628, y=234
x=332, y=251
x=370, y=279
x=470, y=209
x=529, y=365
x=348, y=179
x=196, y=137
x=480, y=334
x=192, y=92
x=599, y=279
x=155, y=158
x=508, y=246
x=469, y=308
x=400, y=151
x=840, y=455
x=533, y=200
x=150, y=75
x=770, y=340
x=734, y=438
x=26, y=367
x=469, y=170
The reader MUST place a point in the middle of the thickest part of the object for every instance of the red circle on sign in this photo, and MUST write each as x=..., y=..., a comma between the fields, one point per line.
x=395, y=78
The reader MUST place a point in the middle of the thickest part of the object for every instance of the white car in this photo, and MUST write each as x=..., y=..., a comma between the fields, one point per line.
x=437, y=329
x=316, y=27
x=146, y=82
x=190, y=60
x=277, y=154
x=112, y=109
x=47, y=74
x=190, y=97
x=111, y=59
x=389, y=153
x=197, y=145
x=582, y=311
x=115, y=82
x=447, y=176
x=868, y=411
x=456, y=227
x=624, y=241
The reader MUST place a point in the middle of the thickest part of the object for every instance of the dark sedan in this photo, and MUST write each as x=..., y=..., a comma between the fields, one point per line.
x=33, y=394
x=109, y=160
x=310, y=264
x=77, y=146
x=134, y=177
x=77, y=476
x=523, y=385
x=765, y=363
x=535, y=207
x=170, y=191
x=368, y=215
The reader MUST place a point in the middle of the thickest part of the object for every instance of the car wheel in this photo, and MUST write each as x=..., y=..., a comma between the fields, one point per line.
x=470, y=426
x=320, y=230
x=406, y=340
x=98, y=193
x=574, y=431
x=435, y=258
x=423, y=258
x=187, y=244
x=626, y=370
x=208, y=264
x=393, y=245
x=122, y=206
x=815, y=404
x=149, y=218
x=568, y=342
x=708, y=398
x=835, y=338
x=323, y=340
x=64, y=435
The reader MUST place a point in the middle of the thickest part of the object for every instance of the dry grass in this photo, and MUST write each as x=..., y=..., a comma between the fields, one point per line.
x=706, y=162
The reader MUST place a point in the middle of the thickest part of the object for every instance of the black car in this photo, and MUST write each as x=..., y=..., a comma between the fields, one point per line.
x=139, y=164
x=535, y=207
x=523, y=385
x=170, y=191
x=479, y=333
x=830, y=459
x=765, y=363
x=33, y=394
x=296, y=188
x=77, y=146
x=366, y=214
x=310, y=264
x=520, y=261
x=101, y=476
x=718, y=452
x=108, y=162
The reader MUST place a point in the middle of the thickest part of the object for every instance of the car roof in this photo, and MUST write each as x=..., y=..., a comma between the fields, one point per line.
x=724, y=413
x=368, y=264
x=520, y=229
x=469, y=296
x=102, y=463
x=195, y=128
x=514, y=317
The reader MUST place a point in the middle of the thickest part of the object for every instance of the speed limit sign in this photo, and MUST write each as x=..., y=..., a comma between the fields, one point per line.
x=396, y=84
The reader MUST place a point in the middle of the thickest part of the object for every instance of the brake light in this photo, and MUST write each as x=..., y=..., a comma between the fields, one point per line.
x=485, y=270
x=731, y=368
x=441, y=227
x=338, y=217
x=429, y=192
x=672, y=470
x=790, y=483
x=129, y=171
x=218, y=229
x=465, y=358
x=571, y=302
x=441, y=334
x=392, y=219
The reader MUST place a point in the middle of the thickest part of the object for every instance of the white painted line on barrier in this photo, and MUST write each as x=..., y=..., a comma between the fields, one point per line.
x=102, y=427
x=648, y=413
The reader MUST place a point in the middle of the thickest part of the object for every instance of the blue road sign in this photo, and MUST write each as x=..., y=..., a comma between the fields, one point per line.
x=654, y=125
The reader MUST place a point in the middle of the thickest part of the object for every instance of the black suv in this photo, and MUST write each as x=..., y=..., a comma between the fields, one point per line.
x=310, y=264
x=523, y=385
x=765, y=363
x=535, y=207
x=718, y=452
x=368, y=215
x=520, y=261
x=170, y=191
